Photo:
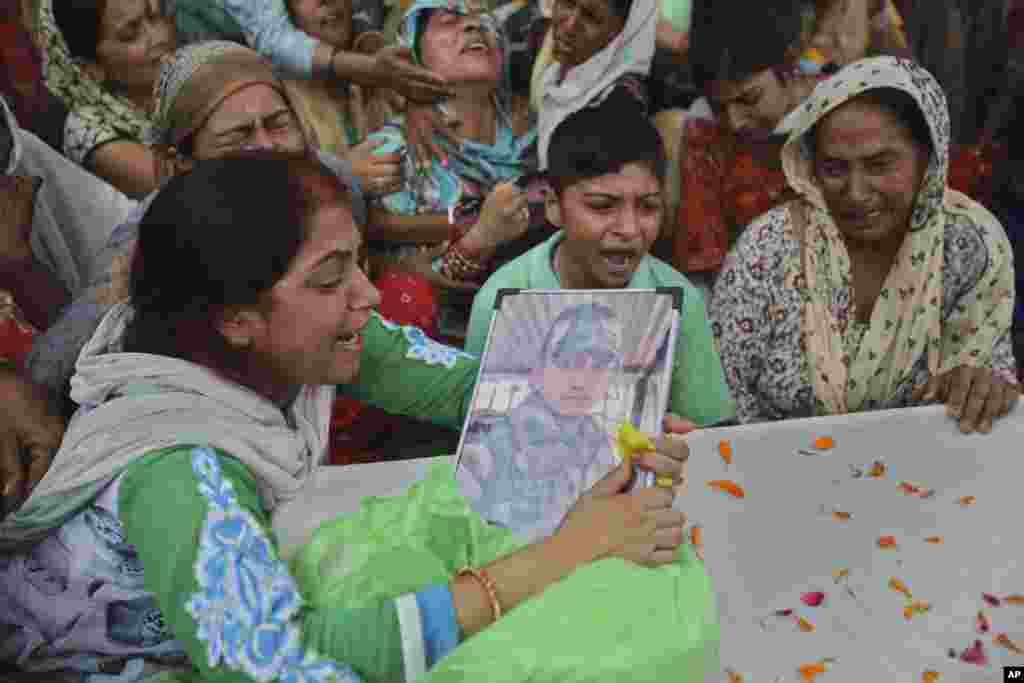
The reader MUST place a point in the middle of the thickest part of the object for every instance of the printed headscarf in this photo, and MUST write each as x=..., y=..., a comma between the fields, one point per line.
x=196, y=78
x=906, y=319
x=82, y=94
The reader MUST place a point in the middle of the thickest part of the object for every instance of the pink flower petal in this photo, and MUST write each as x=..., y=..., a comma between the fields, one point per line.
x=984, y=624
x=992, y=600
x=813, y=598
x=975, y=654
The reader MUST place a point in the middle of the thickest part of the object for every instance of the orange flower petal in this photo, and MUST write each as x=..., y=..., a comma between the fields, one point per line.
x=1003, y=640
x=887, y=542
x=804, y=625
x=933, y=539
x=1014, y=599
x=930, y=676
x=810, y=671
x=898, y=586
x=840, y=574
x=824, y=443
x=966, y=500
x=877, y=469
x=734, y=677
x=726, y=486
x=840, y=515
x=725, y=450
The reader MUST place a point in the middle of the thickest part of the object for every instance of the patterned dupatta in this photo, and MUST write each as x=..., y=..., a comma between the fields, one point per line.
x=906, y=322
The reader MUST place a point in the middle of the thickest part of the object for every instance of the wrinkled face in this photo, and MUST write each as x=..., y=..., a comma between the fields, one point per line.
x=255, y=116
x=753, y=107
x=610, y=223
x=582, y=28
x=869, y=169
x=134, y=36
x=575, y=385
x=458, y=48
x=327, y=20
x=311, y=332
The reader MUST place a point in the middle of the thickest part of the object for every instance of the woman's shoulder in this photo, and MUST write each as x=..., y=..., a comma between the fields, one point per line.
x=769, y=231
x=178, y=472
x=85, y=130
x=971, y=228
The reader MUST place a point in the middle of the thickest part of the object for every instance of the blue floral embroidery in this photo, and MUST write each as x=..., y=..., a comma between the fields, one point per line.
x=247, y=604
x=422, y=347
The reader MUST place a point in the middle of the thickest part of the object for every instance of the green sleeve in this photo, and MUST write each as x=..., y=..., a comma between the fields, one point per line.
x=210, y=558
x=699, y=390
x=405, y=372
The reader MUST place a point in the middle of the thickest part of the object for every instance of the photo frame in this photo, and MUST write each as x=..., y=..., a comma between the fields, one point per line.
x=561, y=371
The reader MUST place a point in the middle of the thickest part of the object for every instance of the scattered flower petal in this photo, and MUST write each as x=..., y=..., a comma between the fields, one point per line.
x=824, y=443
x=840, y=574
x=930, y=676
x=734, y=677
x=725, y=450
x=975, y=654
x=843, y=516
x=898, y=586
x=804, y=625
x=877, y=469
x=813, y=598
x=1014, y=599
x=810, y=671
x=697, y=540
x=933, y=539
x=915, y=607
x=1003, y=640
x=966, y=500
x=991, y=600
x=914, y=489
x=726, y=486
x=887, y=542
x=983, y=623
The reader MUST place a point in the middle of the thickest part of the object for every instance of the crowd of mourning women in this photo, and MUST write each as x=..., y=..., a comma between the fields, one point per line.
x=240, y=239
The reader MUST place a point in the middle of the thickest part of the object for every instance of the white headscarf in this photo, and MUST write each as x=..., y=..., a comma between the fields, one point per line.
x=630, y=52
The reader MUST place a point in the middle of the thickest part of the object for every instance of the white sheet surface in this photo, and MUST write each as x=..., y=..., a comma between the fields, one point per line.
x=781, y=540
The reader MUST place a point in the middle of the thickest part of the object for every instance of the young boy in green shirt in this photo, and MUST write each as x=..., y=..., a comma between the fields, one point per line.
x=606, y=168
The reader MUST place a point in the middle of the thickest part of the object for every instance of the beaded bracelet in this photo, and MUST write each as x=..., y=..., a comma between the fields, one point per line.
x=457, y=266
x=487, y=583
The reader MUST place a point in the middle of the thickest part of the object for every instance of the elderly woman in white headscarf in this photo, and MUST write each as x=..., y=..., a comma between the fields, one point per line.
x=880, y=286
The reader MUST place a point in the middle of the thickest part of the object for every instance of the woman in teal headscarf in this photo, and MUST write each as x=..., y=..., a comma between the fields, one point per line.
x=468, y=199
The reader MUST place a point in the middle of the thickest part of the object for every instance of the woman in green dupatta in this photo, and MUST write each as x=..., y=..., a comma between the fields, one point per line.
x=218, y=423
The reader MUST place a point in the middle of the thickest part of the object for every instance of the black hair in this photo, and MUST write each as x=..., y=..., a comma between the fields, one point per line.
x=595, y=141
x=906, y=110
x=80, y=23
x=731, y=40
x=220, y=236
x=621, y=8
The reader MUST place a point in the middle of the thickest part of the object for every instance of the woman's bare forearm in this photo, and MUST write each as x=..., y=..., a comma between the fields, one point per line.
x=517, y=578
